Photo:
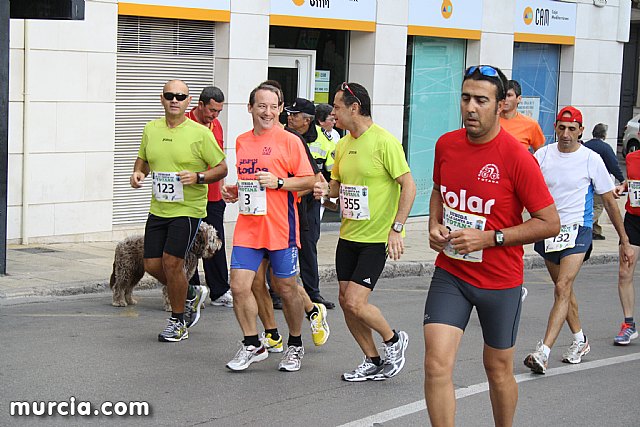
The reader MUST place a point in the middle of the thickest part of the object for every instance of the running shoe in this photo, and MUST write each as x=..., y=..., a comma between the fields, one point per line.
x=537, y=360
x=576, y=350
x=394, y=355
x=627, y=333
x=174, y=332
x=225, y=300
x=246, y=356
x=192, y=306
x=319, y=326
x=367, y=370
x=292, y=359
x=270, y=344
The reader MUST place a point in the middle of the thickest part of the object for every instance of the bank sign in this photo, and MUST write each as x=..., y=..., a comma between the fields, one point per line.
x=358, y=15
x=446, y=18
x=202, y=10
x=545, y=21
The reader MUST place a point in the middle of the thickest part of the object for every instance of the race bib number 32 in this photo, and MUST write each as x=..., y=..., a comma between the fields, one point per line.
x=252, y=198
x=167, y=187
x=354, y=201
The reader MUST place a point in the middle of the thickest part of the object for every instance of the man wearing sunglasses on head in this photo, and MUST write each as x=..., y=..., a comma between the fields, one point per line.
x=483, y=178
x=372, y=178
x=182, y=157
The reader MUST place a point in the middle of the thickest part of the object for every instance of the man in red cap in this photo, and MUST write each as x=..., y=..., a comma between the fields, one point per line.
x=573, y=173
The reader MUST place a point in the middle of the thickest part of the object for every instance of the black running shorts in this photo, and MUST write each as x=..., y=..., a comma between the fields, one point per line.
x=361, y=263
x=450, y=301
x=171, y=235
x=632, y=228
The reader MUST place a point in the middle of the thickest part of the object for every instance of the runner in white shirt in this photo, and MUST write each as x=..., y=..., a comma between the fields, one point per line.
x=572, y=173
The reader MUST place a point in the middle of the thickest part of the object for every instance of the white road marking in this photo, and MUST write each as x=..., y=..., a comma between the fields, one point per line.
x=420, y=405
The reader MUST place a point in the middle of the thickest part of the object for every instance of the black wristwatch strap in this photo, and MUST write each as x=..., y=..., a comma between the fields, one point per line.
x=200, y=178
x=280, y=183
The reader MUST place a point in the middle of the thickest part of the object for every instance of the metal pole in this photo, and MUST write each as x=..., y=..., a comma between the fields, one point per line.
x=4, y=129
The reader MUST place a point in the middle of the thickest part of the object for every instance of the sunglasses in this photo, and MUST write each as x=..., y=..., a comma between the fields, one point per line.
x=169, y=96
x=487, y=71
x=345, y=86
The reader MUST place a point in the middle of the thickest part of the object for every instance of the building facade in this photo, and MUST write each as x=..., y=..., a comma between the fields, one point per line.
x=80, y=92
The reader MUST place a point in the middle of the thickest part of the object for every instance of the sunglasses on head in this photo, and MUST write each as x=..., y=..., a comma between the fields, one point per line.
x=170, y=95
x=487, y=71
x=345, y=86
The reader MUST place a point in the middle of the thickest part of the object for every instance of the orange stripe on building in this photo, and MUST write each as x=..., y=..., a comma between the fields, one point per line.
x=452, y=33
x=174, y=12
x=543, y=38
x=326, y=23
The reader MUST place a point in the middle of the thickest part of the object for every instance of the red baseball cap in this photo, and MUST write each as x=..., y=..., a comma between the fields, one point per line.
x=576, y=115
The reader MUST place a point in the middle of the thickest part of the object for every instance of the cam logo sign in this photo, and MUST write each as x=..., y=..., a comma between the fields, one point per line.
x=545, y=21
x=460, y=19
x=358, y=15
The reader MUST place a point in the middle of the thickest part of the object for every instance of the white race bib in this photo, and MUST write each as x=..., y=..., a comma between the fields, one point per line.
x=167, y=187
x=354, y=201
x=456, y=220
x=565, y=240
x=252, y=198
x=634, y=193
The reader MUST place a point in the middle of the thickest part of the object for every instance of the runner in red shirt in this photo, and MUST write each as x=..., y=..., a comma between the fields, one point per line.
x=216, y=272
x=482, y=181
x=628, y=330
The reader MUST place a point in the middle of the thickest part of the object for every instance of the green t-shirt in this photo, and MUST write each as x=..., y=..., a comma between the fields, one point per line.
x=374, y=160
x=189, y=146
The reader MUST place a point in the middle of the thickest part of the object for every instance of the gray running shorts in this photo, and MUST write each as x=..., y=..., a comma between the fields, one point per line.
x=450, y=301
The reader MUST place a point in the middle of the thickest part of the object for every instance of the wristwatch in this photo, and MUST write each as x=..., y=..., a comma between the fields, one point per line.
x=280, y=183
x=397, y=227
x=498, y=237
x=200, y=178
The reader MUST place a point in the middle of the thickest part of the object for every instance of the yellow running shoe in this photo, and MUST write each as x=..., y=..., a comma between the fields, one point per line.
x=270, y=344
x=319, y=326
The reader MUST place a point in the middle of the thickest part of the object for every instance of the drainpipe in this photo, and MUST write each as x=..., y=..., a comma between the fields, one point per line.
x=25, y=135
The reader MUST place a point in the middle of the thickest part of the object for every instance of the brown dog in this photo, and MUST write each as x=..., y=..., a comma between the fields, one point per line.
x=128, y=264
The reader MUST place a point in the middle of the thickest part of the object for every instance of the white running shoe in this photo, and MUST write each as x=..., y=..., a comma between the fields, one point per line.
x=394, y=355
x=576, y=350
x=292, y=359
x=246, y=356
x=224, y=300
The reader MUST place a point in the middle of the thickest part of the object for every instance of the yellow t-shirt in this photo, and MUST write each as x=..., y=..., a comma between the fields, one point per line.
x=374, y=160
x=189, y=146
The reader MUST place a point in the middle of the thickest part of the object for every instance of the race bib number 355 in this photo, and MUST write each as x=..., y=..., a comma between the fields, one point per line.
x=354, y=201
x=167, y=187
x=252, y=198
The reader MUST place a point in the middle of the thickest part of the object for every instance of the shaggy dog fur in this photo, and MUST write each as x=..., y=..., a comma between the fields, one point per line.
x=128, y=264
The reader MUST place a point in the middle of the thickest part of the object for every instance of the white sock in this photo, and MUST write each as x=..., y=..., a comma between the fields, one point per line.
x=578, y=336
x=546, y=350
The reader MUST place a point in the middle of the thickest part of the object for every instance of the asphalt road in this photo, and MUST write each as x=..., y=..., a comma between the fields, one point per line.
x=82, y=347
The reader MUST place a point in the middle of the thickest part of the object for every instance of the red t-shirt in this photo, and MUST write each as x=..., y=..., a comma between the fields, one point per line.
x=495, y=180
x=633, y=173
x=281, y=153
x=214, y=194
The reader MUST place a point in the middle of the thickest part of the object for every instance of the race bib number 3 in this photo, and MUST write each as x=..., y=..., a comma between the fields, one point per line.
x=456, y=220
x=167, y=187
x=354, y=202
x=634, y=193
x=565, y=240
x=252, y=198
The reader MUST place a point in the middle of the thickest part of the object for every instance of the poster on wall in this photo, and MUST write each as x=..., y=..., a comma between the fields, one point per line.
x=545, y=21
x=203, y=10
x=446, y=18
x=321, y=95
x=330, y=14
x=530, y=107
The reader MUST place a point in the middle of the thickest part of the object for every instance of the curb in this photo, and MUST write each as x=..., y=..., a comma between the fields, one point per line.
x=327, y=274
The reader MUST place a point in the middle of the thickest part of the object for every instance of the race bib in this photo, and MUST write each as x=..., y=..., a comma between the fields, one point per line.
x=354, y=201
x=634, y=193
x=456, y=220
x=565, y=240
x=167, y=187
x=252, y=198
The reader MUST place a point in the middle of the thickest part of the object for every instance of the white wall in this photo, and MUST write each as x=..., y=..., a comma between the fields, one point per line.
x=70, y=126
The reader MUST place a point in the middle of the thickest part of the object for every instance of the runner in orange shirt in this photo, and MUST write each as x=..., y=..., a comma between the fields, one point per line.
x=525, y=129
